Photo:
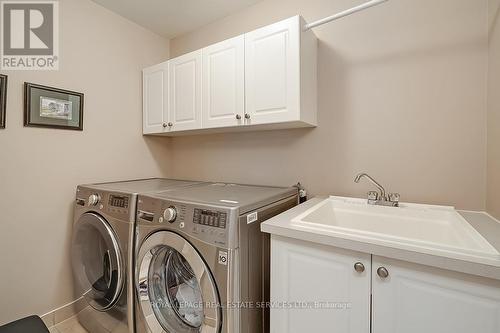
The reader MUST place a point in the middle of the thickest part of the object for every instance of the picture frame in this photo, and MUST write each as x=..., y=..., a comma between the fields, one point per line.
x=51, y=107
x=3, y=100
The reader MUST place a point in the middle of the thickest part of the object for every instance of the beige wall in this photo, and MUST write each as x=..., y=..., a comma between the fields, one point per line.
x=493, y=202
x=102, y=56
x=402, y=96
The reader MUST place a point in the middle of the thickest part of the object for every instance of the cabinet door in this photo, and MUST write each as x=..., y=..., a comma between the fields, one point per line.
x=185, y=92
x=331, y=296
x=155, y=98
x=224, y=83
x=416, y=299
x=272, y=73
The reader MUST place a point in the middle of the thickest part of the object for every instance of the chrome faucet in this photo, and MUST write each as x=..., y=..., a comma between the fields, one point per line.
x=379, y=198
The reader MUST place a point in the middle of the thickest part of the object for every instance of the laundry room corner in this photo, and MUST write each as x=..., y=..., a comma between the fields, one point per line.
x=249, y=166
x=99, y=52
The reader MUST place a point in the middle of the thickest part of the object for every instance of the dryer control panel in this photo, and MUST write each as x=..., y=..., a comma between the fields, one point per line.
x=118, y=201
x=112, y=204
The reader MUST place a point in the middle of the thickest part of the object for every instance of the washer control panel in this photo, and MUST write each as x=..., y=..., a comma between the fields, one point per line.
x=207, y=223
x=210, y=218
x=170, y=214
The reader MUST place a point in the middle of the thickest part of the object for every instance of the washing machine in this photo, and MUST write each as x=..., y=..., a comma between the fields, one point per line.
x=202, y=263
x=101, y=249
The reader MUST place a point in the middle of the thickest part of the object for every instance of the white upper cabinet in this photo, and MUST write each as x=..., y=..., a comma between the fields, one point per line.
x=155, y=98
x=280, y=74
x=224, y=83
x=272, y=72
x=264, y=79
x=185, y=92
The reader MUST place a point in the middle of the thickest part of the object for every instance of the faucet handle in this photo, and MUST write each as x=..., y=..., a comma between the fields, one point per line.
x=372, y=196
x=394, y=197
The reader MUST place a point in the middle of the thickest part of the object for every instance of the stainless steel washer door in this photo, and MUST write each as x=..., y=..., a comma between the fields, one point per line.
x=177, y=293
x=97, y=262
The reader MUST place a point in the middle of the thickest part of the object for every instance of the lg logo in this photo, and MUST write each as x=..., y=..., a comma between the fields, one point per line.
x=29, y=34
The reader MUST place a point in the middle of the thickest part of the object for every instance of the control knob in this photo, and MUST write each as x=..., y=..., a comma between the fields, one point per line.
x=170, y=214
x=94, y=199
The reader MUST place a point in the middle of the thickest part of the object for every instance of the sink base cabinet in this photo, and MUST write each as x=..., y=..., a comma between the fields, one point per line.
x=315, y=288
x=416, y=298
x=412, y=298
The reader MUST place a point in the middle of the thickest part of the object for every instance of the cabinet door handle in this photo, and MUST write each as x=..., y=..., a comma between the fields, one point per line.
x=170, y=124
x=247, y=115
x=165, y=125
x=359, y=267
x=238, y=117
x=382, y=272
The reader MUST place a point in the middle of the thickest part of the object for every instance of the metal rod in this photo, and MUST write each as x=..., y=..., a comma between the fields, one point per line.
x=344, y=13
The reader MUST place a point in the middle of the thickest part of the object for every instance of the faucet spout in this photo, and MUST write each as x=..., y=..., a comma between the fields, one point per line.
x=374, y=182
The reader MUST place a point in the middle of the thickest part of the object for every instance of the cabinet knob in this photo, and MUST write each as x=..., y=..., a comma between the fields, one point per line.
x=247, y=115
x=170, y=124
x=238, y=117
x=359, y=267
x=382, y=272
x=165, y=125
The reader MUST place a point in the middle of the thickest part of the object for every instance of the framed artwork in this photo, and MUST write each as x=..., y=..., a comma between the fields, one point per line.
x=52, y=107
x=3, y=99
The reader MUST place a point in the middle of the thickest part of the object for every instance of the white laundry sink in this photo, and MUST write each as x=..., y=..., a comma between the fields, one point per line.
x=434, y=228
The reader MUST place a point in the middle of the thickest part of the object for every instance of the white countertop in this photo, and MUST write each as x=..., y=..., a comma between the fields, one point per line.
x=486, y=225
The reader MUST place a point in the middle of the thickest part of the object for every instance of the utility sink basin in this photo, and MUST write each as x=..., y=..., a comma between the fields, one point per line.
x=410, y=226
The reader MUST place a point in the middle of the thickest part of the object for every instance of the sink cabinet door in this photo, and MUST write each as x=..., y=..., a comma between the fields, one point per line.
x=305, y=272
x=415, y=299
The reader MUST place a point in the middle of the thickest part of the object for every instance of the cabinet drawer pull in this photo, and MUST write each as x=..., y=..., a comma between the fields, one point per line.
x=382, y=272
x=359, y=267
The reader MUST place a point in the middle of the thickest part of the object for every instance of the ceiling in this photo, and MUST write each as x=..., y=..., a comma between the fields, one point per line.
x=171, y=18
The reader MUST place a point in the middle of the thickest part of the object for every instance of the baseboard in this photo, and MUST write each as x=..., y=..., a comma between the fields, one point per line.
x=64, y=312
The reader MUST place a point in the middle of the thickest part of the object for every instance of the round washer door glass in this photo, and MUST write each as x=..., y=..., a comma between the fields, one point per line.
x=97, y=262
x=176, y=285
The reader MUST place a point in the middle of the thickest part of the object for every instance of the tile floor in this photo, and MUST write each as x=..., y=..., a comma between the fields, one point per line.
x=70, y=325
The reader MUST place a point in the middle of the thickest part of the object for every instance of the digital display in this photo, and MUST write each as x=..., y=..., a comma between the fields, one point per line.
x=118, y=201
x=209, y=218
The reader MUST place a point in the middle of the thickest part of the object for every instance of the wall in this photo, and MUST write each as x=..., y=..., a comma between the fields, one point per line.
x=493, y=202
x=102, y=56
x=402, y=96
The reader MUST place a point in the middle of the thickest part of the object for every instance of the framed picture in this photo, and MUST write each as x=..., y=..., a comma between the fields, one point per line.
x=3, y=99
x=52, y=107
